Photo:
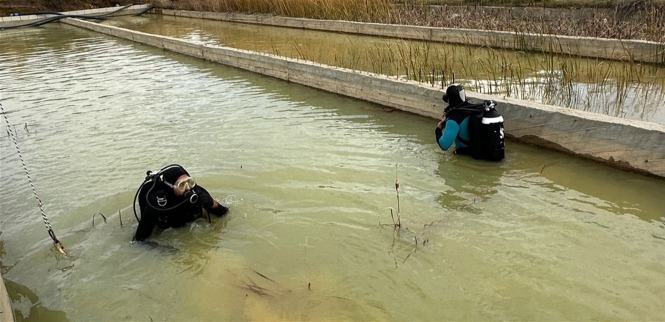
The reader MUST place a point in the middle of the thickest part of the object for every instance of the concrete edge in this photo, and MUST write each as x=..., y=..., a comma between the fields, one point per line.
x=614, y=49
x=624, y=144
x=6, y=311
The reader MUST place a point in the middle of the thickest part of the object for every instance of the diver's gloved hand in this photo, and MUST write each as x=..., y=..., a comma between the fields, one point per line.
x=219, y=211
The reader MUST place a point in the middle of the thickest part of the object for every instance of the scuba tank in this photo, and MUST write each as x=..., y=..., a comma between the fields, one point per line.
x=492, y=132
x=485, y=131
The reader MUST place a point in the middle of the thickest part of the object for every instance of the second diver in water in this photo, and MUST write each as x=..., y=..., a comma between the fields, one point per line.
x=171, y=198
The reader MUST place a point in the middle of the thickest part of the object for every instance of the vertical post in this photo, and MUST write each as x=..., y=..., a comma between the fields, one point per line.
x=443, y=79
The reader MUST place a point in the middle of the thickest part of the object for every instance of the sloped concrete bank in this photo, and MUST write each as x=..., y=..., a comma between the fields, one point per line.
x=621, y=143
x=626, y=50
x=6, y=311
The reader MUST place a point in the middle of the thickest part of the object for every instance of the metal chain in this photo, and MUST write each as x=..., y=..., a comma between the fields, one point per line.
x=56, y=242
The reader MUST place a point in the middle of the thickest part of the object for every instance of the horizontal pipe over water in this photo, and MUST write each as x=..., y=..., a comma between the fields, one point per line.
x=21, y=20
x=621, y=143
x=615, y=49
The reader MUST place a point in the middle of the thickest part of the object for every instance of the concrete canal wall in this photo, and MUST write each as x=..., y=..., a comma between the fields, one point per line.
x=541, y=13
x=621, y=143
x=626, y=50
x=11, y=21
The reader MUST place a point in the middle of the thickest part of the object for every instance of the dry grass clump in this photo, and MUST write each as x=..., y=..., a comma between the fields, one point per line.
x=621, y=88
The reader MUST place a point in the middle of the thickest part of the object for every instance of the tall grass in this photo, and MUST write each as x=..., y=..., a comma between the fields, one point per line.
x=353, y=10
x=619, y=19
x=630, y=19
x=608, y=87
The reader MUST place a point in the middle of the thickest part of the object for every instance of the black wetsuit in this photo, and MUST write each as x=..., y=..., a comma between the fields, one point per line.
x=161, y=207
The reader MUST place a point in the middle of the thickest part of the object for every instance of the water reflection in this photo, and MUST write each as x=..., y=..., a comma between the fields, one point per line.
x=470, y=181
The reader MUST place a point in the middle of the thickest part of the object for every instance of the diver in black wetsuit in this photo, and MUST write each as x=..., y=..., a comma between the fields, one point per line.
x=476, y=129
x=171, y=198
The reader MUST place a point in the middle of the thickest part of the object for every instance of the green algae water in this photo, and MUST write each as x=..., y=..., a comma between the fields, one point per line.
x=310, y=181
x=618, y=89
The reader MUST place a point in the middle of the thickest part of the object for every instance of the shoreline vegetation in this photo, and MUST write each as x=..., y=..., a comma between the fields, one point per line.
x=613, y=19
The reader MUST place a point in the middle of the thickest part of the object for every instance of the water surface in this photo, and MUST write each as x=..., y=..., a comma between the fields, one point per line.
x=310, y=180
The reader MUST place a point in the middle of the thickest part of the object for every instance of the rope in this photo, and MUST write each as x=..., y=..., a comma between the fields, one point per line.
x=56, y=242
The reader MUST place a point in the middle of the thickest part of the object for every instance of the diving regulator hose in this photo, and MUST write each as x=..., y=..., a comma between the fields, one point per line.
x=154, y=178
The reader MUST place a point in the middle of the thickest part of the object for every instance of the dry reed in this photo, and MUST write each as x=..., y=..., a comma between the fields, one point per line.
x=635, y=19
x=553, y=79
x=626, y=19
x=354, y=10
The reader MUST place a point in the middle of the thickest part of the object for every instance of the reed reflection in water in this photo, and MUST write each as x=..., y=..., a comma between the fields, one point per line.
x=620, y=89
x=310, y=180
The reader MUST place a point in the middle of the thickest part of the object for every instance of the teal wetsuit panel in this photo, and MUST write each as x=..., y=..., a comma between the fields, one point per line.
x=452, y=131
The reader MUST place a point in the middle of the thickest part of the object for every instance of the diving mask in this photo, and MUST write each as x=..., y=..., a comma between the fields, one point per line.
x=182, y=184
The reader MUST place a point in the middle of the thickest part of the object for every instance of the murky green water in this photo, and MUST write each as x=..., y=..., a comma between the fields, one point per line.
x=631, y=91
x=310, y=180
